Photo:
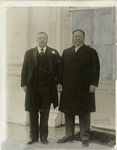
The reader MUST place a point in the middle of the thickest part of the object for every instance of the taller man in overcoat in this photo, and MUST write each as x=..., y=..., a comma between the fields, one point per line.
x=78, y=79
x=39, y=79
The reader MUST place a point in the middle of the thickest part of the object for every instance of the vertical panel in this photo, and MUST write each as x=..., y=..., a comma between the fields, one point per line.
x=102, y=26
x=82, y=20
x=114, y=63
x=28, y=28
x=104, y=53
x=114, y=25
x=55, y=19
x=53, y=25
x=69, y=30
x=64, y=33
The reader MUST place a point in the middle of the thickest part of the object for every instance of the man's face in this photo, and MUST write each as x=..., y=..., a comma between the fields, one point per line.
x=42, y=40
x=78, y=38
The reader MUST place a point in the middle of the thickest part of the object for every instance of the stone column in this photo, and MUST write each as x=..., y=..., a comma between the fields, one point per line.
x=54, y=32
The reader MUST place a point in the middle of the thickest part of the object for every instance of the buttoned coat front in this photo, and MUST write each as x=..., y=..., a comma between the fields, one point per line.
x=77, y=72
x=29, y=76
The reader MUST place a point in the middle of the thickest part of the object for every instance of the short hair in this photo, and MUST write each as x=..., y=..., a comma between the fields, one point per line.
x=42, y=33
x=79, y=30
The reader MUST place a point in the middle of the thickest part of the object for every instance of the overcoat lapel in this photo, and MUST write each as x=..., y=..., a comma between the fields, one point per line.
x=35, y=51
x=71, y=53
x=78, y=53
x=33, y=60
x=48, y=50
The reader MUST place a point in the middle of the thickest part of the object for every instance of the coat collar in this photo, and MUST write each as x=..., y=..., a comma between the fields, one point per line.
x=78, y=53
x=39, y=49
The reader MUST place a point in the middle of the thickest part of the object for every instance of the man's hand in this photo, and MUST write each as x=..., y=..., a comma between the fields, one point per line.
x=92, y=88
x=59, y=88
x=25, y=88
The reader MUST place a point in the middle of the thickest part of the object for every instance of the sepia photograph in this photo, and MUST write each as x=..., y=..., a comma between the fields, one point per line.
x=58, y=76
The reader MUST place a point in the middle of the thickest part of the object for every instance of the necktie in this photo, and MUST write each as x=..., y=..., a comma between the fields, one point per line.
x=42, y=52
x=76, y=49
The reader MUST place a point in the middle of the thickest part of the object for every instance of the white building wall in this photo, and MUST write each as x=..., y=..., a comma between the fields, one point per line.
x=16, y=45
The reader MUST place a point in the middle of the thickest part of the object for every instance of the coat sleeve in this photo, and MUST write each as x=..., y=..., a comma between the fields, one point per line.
x=24, y=70
x=60, y=69
x=95, y=68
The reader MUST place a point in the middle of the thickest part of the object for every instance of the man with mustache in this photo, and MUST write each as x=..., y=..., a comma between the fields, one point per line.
x=78, y=79
x=38, y=79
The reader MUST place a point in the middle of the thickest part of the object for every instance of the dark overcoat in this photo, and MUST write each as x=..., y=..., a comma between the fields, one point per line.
x=77, y=72
x=29, y=76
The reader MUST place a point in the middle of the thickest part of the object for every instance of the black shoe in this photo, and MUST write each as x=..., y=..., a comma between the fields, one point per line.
x=65, y=139
x=85, y=143
x=32, y=141
x=45, y=141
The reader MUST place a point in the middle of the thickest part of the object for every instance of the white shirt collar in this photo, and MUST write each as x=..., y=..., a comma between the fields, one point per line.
x=77, y=48
x=39, y=49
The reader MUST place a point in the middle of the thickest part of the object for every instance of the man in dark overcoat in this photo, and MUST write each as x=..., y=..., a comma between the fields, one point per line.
x=78, y=79
x=38, y=79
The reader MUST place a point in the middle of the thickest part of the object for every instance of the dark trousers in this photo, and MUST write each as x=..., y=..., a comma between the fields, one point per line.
x=84, y=122
x=35, y=129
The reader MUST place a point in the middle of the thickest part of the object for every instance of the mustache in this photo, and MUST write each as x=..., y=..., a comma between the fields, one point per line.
x=43, y=45
x=78, y=40
x=42, y=42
